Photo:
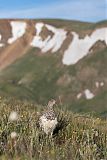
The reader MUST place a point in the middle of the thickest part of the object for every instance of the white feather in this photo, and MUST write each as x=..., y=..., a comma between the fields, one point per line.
x=47, y=125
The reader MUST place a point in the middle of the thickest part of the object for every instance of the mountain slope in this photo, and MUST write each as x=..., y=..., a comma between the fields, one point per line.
x=37, y=72
x=20, y=35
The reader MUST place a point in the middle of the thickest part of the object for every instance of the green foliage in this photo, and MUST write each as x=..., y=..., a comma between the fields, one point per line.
x=81, y=138
x=42, y=77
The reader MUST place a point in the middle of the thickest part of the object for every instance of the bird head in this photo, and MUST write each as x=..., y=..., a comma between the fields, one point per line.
x=51, y=103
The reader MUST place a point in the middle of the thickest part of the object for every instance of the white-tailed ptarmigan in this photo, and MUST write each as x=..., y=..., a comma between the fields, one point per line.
x=48, y=119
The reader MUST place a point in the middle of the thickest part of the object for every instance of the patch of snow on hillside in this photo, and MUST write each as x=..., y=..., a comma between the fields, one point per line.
x=79, y=95
x=97, y=84
x=53, y=43
x=37, y=41
x=57, y=40
x=102, y=84
x=88, y=94
x=1, y=44
x=39, y=27
x=80, y=47
x=18, y=30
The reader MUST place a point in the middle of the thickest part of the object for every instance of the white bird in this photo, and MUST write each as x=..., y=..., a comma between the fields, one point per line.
x=48, y=119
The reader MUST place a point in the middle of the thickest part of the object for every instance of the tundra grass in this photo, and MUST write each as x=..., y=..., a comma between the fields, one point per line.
x=81, y=137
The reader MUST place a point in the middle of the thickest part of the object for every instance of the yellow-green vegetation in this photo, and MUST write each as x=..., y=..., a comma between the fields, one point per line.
x=80, y=137
x=40, y=78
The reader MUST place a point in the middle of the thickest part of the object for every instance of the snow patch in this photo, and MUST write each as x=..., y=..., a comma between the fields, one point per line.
x=37, y=41
x=88, y=94
x=80, y=47
x=1, y=44
x=79, y=95
x=39, y=27
x=18, y=30
x=97, y=84
x=57, y=40
x=102, y=84
x=53, y=43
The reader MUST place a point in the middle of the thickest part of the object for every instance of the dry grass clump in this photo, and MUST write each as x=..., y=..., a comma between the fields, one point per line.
x=76, y=137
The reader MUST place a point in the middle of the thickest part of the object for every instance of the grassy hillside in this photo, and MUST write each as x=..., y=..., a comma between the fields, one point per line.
x=38, y=77
x=81, y=138
x=68, y=24
x=41, y=77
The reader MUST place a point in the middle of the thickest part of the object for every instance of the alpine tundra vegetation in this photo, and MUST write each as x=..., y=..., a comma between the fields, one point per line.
x=77, y=136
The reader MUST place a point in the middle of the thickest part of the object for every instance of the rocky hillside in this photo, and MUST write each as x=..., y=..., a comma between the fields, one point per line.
x=66, y=60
